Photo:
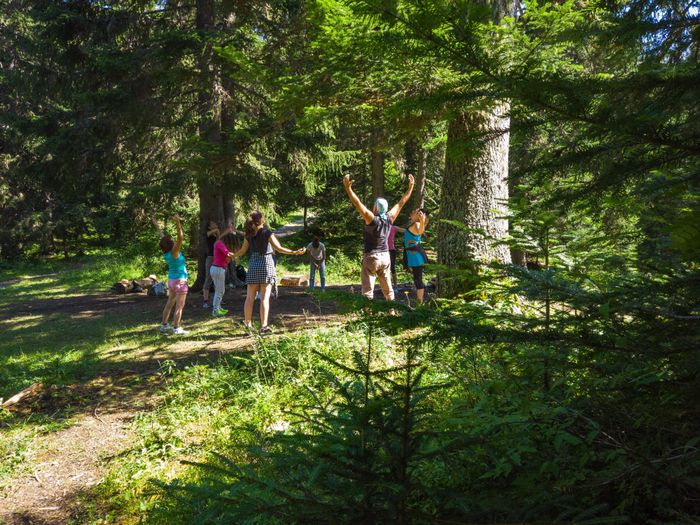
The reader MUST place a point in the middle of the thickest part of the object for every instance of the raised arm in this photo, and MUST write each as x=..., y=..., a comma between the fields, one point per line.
x=242, y=251
x=158, y=228
x=367, y=215
x=394, y=212
x=281, y=249
x=178, y=244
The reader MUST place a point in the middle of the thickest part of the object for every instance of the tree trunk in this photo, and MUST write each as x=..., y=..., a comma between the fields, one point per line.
x=229, y=209
x=377, y=161
x=306, y=211
x=211, y=205
x=474, y=193
x=518, y=256
x=419, y=191
x=415, y=165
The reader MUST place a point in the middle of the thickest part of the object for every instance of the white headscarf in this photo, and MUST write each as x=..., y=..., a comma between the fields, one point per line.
x=382, y=206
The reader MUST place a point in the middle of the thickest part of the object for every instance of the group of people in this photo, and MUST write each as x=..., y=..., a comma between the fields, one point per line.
x=223, y=247
x=379, y=259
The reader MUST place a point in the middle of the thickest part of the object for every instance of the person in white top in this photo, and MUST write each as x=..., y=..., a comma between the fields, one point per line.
x=317, y=261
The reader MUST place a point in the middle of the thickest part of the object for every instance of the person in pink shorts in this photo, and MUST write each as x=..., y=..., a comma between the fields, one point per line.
x=177, y=279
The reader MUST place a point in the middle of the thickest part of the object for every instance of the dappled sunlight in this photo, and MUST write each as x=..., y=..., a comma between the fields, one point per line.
x=20, y=322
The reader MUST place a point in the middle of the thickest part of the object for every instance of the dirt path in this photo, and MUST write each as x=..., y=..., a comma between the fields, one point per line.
x=99, y=412
x=292, y=227
x=67, y=463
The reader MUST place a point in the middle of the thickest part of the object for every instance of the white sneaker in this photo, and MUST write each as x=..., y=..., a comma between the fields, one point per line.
x=166, y=328
x=179, y=331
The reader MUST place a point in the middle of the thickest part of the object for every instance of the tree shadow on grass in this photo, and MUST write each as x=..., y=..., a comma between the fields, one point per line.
x=106, y=350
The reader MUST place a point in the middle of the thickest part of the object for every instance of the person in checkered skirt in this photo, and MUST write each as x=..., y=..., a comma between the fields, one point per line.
x=261, y=276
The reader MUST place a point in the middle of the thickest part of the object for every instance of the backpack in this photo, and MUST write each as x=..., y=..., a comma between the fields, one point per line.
x=241, y=273
x=159, y=289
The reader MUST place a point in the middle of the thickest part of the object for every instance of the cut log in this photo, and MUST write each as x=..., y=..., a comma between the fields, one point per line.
x=146, y=283
x=294, y=280
x=33, y=390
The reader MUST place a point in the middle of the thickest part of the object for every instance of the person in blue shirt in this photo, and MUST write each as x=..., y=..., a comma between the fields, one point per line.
x=177, y=279
x=414, y=252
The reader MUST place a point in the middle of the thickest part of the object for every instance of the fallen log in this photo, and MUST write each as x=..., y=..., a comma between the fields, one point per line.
x=294, y=280
x=32, y=390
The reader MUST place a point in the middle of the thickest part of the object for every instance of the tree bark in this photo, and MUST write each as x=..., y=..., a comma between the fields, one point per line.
x=377, y=161
x=474, y=193
x=415, y=165
x=518, y=256
x=211, y=204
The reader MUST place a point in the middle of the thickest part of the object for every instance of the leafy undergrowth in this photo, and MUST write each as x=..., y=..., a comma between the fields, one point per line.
x=221, y=407
x=451, y=423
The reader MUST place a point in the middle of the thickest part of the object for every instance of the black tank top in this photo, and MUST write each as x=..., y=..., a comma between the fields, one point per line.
x=377, y=235
x=260, y=242
x=211, y=240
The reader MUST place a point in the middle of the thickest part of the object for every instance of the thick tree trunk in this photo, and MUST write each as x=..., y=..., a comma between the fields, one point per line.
x=211, y=205
x=415, y=165
x=229, y=209
x=474, y=193
x=518, y=256
x=377, y=161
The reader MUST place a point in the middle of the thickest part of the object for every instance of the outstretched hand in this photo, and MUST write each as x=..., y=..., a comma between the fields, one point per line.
x=300, y=251
x=411, y=181
x=347, y=183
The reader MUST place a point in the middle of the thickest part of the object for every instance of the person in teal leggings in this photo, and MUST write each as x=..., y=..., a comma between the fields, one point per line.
x=415, y=255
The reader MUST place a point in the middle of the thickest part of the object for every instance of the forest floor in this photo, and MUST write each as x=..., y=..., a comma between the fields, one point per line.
x=98, y=367
x=96, y=411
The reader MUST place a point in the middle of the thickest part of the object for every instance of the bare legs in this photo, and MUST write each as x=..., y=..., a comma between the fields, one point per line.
x=249, y=302
x=265, y=290
x=179, y=306
x=168, y=307
x=178, y=301
x=419, y=293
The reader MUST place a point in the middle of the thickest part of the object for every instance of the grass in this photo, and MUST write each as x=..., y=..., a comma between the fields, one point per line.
x=59, y=347
x=208, y=399
x=217, y=408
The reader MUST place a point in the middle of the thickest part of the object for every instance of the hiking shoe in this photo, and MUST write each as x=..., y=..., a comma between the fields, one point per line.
x=166, y=328
x=180, y=331
x=265, y=330
x=219, y=313
x=206, y=305
x=247, y=327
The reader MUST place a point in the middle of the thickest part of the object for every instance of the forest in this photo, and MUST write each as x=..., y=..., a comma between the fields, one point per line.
x=550, y=375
